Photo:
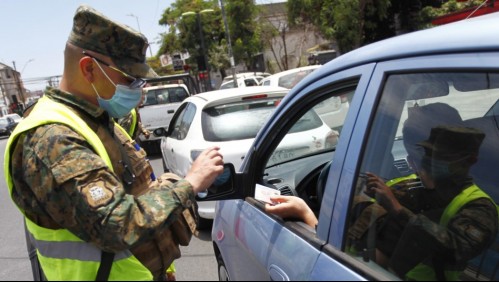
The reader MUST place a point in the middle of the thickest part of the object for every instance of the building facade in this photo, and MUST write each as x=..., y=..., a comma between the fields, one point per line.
x=12, y=91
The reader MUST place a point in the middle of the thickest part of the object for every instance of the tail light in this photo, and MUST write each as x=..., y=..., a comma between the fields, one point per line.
x=344, y=98
x=255, y=97
x=331, y=139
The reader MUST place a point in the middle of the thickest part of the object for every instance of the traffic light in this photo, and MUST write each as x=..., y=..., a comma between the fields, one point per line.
x=201, y=63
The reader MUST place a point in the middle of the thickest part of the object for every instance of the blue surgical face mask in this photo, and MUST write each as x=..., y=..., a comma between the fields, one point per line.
x=123, y=100
x=441, y=169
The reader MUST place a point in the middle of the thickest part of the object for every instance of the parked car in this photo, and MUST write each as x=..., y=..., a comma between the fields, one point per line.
x=260, y=75
x=332, y=111
x=231, y=120
x=456, y=64
x=8, y=123
x=288, y=78
x=245, y=79
x=161, y=99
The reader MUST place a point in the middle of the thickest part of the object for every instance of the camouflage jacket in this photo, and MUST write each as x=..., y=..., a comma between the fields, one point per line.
x=55, y=172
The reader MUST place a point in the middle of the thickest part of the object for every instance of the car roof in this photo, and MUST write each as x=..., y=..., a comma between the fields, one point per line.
x=236, y=92
x=478, y=33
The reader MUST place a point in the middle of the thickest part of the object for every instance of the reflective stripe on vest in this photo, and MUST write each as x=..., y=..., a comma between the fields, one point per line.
x=425, y=272
x=397, y=180
x=134, y=122
x=64, y=256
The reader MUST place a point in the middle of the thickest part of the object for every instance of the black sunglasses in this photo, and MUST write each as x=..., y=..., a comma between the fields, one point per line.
x=136, y=83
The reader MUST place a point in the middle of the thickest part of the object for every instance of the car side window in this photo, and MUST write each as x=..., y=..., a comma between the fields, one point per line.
x=184, y=121
x=308, y=145
x=250, y=82
x=424, y=207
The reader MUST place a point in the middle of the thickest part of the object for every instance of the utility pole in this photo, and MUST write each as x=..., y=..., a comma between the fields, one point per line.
x=138, y=25
x=229, y=45
x=18, y=82
x=203, y=48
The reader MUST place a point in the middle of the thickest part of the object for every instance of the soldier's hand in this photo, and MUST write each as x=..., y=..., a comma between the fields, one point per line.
x=384, y=195
x=207, y=166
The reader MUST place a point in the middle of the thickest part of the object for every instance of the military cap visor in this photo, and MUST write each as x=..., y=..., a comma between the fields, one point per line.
x=126, y=47
x=452, y=142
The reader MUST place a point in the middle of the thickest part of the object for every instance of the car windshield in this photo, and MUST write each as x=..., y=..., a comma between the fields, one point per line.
x=290, y=80
x=165, y=96
x=3, y=122
x=236, y=121
x=15, y=117
x=228, y=85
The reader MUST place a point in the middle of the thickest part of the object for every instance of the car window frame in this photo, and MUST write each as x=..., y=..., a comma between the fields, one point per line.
x=275, y=129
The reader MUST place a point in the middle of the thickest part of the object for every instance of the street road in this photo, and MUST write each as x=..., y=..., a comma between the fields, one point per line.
x=197, y=263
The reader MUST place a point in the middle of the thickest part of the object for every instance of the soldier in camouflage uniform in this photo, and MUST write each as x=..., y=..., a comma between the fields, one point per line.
x=462, y=220
x=110, y=200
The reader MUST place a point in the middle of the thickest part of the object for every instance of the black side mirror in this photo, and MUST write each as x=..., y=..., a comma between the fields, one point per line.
x=222, y=185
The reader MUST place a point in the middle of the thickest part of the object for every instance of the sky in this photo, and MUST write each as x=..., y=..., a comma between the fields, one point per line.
x=33, y=33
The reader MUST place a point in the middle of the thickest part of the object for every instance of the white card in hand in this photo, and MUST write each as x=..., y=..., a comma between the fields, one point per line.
x=263, y=193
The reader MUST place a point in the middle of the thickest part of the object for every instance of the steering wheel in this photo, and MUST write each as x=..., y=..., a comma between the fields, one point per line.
x=309, y=190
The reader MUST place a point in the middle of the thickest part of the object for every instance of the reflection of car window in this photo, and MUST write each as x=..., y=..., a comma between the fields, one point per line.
x=236, y=121
x=4, y=122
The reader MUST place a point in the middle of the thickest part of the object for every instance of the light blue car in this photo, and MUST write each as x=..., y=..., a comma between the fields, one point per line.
x=447, y=76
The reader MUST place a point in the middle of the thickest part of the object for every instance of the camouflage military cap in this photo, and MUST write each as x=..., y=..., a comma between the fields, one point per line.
x=453, y=142
x=126, y=47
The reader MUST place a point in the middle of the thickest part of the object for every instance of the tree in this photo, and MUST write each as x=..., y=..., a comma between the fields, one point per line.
x=184, y=34
x=245, y=31
x=354, y=23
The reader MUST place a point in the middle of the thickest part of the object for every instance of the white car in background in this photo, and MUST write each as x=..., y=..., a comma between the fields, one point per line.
x=231, y=120
x=244, y=79
x=333, y=111
x=288, y=78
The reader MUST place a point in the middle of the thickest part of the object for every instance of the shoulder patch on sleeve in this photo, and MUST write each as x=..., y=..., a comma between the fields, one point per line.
x=97, y=194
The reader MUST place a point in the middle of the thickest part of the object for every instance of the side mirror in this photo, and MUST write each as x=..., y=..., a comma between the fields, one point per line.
x=223, y=185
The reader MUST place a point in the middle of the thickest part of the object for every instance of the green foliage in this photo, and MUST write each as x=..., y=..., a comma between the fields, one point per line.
x=184, y=29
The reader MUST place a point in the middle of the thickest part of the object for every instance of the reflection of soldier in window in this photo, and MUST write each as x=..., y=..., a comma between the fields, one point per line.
x=437, y=243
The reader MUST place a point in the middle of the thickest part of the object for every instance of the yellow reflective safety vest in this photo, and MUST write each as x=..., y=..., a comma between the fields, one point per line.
x=423, y=272
x=62, y=255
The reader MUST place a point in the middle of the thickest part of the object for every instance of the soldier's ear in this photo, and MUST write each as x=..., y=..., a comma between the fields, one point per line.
x=87, y=68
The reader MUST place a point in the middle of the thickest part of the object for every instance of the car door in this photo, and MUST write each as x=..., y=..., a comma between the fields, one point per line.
x=175, y=146
x=466, y=85
x=268, y=247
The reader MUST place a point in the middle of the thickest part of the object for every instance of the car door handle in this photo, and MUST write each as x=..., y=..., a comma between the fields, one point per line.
x=170, y=111
x=277, y=274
